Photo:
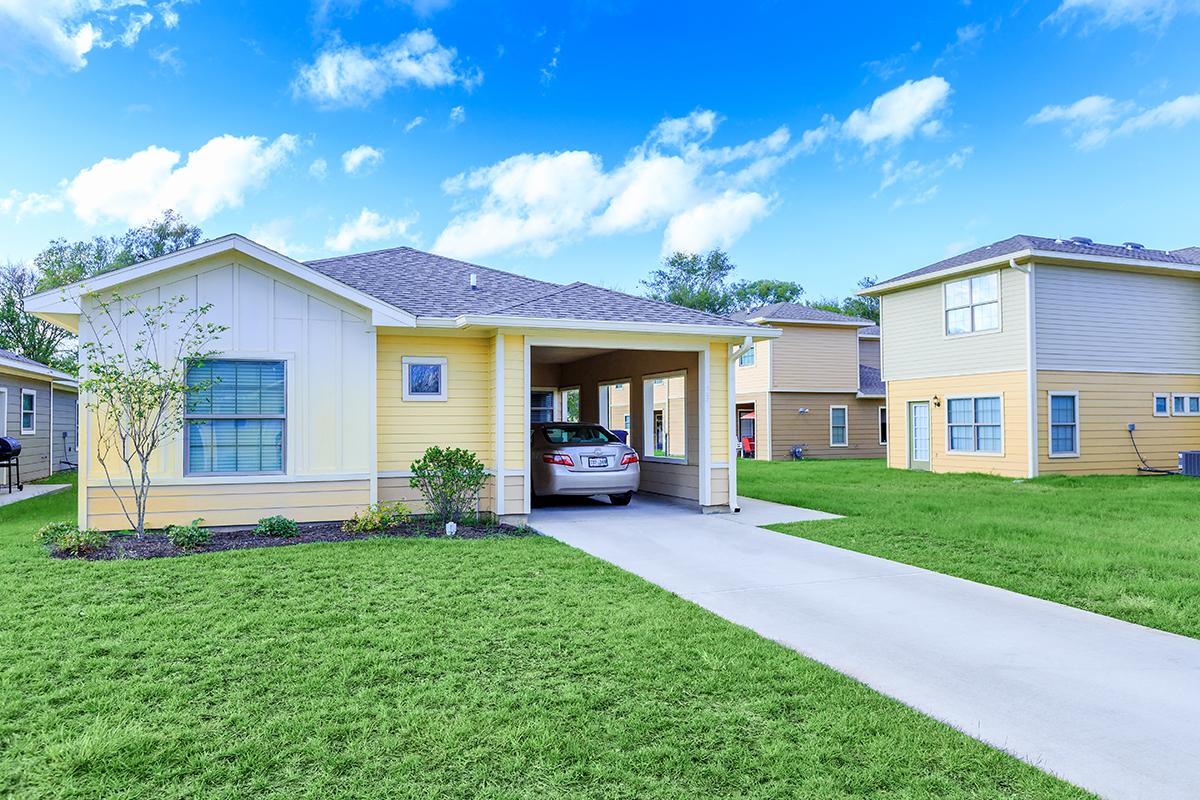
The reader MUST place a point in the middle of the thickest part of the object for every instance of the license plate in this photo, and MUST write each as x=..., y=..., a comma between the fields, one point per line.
x=593, y=461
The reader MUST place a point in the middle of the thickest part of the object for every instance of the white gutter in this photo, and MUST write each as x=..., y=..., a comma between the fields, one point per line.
x=1031, y=404
x=501, y=321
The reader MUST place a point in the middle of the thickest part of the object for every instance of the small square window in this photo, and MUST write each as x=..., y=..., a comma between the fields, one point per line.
x=1162, y=406
x=424, y=378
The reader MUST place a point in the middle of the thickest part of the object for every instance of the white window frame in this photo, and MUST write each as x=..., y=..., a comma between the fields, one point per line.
x=32, y=429
x=648, y=417
x=1050, y=424
x=286, y=360
x=973, y=452
x=1166, y=398
x=554, y=400
x=602, y=401
x=883, y=426
x=562, y=400
x=4, y=412
x=1185, y=396
x=999, y=308
x=846, y=410
x=752, y=353
x=443, y=380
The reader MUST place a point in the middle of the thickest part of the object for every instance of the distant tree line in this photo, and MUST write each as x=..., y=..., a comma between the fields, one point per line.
x=63, y=262
x=704, y=282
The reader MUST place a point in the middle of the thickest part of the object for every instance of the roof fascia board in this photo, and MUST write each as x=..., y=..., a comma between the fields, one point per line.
x=818, y=322
x=501, y=321
x=62, y=300
x=1050, y=256
x=39, y=370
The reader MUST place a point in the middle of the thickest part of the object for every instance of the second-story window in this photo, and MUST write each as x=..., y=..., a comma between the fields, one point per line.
x=973, y=304
x=747, y=358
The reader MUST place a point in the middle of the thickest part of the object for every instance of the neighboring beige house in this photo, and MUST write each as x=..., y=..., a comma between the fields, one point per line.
x=335, y=375
x=816, y=387
x=1033, y=356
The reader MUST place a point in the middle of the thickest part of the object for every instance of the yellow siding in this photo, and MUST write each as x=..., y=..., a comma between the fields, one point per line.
x=233, y=503
x=720, y=486
x=718, y=381
x=1011, y=386
x=464, y=419
x=393, y=490
x=755, y=378
x=1108, y=402
x=515, y=421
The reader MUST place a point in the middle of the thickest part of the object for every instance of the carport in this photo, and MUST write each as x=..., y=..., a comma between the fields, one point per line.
x=661, y=396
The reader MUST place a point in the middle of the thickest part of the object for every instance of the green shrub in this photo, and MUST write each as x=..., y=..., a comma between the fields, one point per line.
x=277, y=526
x=378, y=517
x=450, y=480
x=188, y=536
x=49, y=533
x=77, y=542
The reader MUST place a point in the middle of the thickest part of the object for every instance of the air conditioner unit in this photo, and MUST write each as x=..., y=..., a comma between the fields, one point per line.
x=1189, y=463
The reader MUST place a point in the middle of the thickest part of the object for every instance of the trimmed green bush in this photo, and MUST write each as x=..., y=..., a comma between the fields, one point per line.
x=188, y=536
x=450, y=480
x=78, y=542
x=378, y=517
x=48, y=533
x=277, y=526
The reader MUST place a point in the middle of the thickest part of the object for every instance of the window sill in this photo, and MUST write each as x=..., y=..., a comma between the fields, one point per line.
x=420, y=399
x=974, y=453
x=664, y=460
x=1062, y=455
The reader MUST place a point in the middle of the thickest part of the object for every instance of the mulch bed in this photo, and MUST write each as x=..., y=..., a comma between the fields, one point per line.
x=155, y=544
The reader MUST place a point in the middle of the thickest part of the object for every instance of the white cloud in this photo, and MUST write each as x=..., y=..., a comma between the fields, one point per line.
x=537, y=202
x=917, y=198
x=896, y=115
x=917, y=180
x=368, y=226
x=458, y=115
x=360, y=159
x=215, y=176
x=166, y=56
x=277, y=235
x=1091, y=120
x=41, y=33
x=319, y=169
x=25, y=205
x=966, y=41
x=350, y=75
x=1146, y=14
x=716, y=223
x=413, y=123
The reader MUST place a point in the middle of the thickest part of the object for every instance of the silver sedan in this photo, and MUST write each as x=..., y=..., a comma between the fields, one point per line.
x=583, y=459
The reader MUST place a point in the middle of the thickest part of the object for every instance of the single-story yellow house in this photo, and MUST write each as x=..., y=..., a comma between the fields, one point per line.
x=349, y=368
x=1044, y=356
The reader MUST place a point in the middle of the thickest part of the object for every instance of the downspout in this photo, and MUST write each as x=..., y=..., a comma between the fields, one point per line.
x=737, y=353
x=1030, y=367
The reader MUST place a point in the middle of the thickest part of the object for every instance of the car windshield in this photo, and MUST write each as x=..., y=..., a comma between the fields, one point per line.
x=578, y=434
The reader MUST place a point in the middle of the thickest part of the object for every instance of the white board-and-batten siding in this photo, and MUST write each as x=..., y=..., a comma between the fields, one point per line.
x=1101, y=320
x=326, y=342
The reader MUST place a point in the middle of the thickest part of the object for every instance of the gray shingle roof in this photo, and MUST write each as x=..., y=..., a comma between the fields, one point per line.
x=869, y=332
x=870, y=381
x=429, y=285
x=584, y=301
x=9, y=354
x=794, y=312
x=1015, y=244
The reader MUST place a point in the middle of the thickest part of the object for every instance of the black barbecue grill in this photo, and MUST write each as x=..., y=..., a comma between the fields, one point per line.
x=10, y=459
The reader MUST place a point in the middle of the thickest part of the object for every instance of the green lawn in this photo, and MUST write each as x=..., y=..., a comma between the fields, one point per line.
x=401, y=668
x=1128, y=547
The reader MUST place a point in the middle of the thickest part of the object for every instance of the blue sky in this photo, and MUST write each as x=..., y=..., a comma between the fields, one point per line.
x=583, y=140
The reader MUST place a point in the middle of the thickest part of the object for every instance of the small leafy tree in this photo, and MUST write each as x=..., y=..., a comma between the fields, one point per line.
x=134, y=381
x=450, y=480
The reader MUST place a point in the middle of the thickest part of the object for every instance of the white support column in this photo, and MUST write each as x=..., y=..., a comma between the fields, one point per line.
x=1031, y=366
x=373, y=417
x=705, y=383
x=731, y=389
x=499, y=422
x=525, y=426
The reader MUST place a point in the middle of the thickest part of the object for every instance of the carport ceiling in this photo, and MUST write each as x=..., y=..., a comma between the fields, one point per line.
x=564, y=355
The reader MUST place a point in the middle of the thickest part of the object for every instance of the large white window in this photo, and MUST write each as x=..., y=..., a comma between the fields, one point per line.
x=973, y=304
x=424, y=378
x=838, y=431
x=883, y=425
x=1185, y=405
x=1064, y=424
x=236, y=415
x=747, y=358
x=973, y=425
x=665, y=405
x=28, y=411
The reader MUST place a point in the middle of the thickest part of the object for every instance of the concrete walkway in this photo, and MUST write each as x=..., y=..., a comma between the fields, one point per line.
x=30, y=490
x=1109, y=706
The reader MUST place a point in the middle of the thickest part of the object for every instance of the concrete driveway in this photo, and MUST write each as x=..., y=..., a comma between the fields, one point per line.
x=1106, y=705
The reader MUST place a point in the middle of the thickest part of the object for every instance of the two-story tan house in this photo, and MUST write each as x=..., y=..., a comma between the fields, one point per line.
x=1035, y=355
x=816, y=387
